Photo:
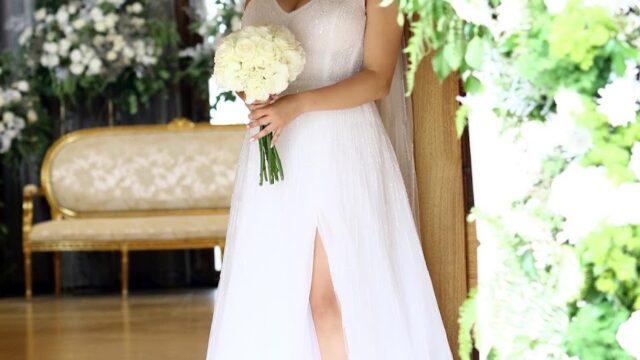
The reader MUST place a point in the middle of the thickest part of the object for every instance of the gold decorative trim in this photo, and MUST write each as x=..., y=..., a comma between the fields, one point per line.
x=176, y=125
x=132, y=245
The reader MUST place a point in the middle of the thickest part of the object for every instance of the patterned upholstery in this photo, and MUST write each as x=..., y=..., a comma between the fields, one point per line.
x=174, y=227
x=154, y=170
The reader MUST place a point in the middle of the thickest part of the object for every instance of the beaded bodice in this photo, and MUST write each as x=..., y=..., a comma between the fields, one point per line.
x=330, y=31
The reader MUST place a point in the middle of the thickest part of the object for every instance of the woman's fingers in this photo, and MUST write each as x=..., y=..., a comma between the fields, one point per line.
x=257, y=114
x=262, y=121
x=258, y=104
x=263, y=132
x=276, y=136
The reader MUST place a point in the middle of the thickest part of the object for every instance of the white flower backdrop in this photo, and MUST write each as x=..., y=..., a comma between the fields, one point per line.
x=552, y=102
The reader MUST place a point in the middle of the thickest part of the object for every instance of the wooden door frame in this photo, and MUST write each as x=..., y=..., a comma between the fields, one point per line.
x=439, y=168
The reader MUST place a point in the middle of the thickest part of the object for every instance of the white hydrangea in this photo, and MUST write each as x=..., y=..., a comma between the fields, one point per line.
x=582, y=195
x=512, y=15
x=474, y=11
x=620, y=99
x=259, y=60
x=634, y=163
x=562, y=129
x=628, y=335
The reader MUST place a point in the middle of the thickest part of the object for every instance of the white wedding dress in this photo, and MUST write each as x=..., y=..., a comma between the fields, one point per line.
x=340, y=175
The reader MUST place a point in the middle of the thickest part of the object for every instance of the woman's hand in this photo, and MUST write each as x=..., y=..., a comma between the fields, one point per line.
x=243, y=96
x=275, y=115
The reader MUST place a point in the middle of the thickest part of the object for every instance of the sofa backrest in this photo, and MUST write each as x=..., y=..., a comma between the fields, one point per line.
x=180, y=166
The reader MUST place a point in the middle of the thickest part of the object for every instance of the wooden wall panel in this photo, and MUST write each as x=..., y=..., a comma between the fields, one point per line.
x=440, y=187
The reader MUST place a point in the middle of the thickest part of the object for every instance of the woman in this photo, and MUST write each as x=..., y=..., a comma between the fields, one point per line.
x=326, y=264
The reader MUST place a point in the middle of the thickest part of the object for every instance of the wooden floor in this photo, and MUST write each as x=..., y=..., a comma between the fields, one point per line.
x=161, y=325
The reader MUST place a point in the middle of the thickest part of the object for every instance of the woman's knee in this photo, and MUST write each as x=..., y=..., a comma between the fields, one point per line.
x=324, y=303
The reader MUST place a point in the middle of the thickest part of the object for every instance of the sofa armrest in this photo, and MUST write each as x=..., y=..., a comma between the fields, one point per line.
x=28, y=193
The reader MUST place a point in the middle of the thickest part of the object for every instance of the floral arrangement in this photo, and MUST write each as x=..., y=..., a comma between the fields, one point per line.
x=210, y=29
x=552, y=99
x=103, y=48
x=22, y=126
x=260, y=61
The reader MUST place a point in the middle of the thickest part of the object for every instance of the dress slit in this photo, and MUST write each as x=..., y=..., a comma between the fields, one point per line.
x=317, y=228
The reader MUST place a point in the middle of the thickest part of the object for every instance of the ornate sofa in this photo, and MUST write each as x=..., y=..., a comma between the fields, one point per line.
x=127, y=188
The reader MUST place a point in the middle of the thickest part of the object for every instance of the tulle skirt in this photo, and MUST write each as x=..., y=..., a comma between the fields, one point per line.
x=342, y=178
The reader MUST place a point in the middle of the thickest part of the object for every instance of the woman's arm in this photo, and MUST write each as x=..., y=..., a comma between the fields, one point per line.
x=382, y=41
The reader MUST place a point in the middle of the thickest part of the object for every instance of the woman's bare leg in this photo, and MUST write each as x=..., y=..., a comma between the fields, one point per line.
x=325, y=307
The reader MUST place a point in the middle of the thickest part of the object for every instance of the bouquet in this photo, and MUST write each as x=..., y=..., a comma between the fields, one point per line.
x=260, y=61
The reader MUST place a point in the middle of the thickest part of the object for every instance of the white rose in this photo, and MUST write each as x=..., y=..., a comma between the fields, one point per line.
x=118, y=42
x=128, y=53
x=79, y=23
x=19, y=123
x=76, y=56
x=110, y=20
x=13, y=95
x=96, y=14
x=22, y=86
x=98, y=40
x=135, y=8
x=50, y=60
x=634, y=163
x=50, y=47
x=138, y=22
x=95, y=65
x=628, y=334
x=100, y=26
x=72, y=8
x=112, y=55
x=40, y=14
x=8, y=117
x=65, y=45
x=32, y=116
x=62, y=16
x=76, y=68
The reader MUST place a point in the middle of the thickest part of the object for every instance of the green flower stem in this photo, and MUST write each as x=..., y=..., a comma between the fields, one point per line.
x=270, y=164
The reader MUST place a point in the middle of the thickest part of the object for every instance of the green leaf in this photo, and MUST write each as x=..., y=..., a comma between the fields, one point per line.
x=467, y=319
x=462, y=115
x=475, y=52
x=453, y=55
x=472, y=85
x=440, y=66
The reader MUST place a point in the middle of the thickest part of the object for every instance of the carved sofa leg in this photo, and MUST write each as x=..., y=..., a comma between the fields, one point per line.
x=124, y=272
x=27, y=275
x=57, y=277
